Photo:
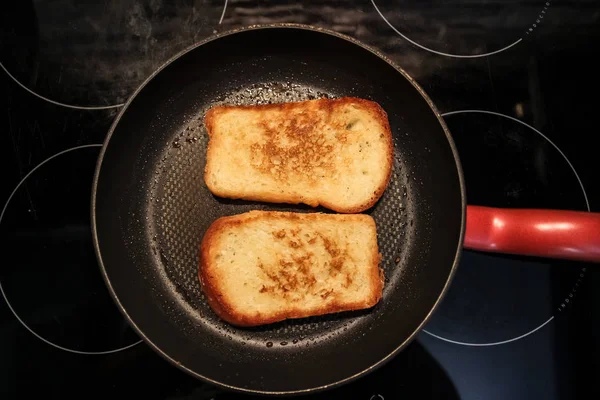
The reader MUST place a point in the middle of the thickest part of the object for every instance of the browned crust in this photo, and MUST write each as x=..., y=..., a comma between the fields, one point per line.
x=209, y=282
x=380, y=115
x=217, y=301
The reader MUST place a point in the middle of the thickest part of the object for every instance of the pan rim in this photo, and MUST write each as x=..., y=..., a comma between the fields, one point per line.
x=370, y=368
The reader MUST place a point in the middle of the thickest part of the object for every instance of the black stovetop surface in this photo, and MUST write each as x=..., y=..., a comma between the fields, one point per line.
x=516, y=82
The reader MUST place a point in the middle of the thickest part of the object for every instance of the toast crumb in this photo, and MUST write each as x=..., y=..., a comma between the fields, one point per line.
x=262, y=267
x=337, y=153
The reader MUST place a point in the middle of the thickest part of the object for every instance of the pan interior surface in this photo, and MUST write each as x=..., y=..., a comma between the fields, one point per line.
x=152, y=207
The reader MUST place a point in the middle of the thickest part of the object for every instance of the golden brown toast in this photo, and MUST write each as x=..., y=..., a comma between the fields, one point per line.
x=334, y=153
x=262, y=267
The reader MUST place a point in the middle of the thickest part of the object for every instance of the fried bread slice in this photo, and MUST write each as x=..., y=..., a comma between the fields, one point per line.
x=261, y=267
x=336, y=153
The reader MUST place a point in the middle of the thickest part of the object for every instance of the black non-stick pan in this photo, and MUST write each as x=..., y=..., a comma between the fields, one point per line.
x=151, y=207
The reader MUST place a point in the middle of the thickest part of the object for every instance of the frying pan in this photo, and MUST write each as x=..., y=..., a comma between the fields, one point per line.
x=150, y=209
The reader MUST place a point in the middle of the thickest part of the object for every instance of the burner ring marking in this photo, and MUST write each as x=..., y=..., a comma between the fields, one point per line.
x=2, y=289
x=587, y=203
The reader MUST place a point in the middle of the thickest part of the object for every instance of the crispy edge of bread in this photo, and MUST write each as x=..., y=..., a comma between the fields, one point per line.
x=375, y=108
x=229, y=314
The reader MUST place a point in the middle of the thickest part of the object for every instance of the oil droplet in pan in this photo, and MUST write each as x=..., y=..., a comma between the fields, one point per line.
x=269, y=344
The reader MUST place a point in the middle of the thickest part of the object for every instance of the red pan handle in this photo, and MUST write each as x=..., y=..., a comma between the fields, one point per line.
x=573, y=235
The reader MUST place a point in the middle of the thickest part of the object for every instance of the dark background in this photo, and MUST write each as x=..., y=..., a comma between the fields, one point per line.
x=89, y=56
